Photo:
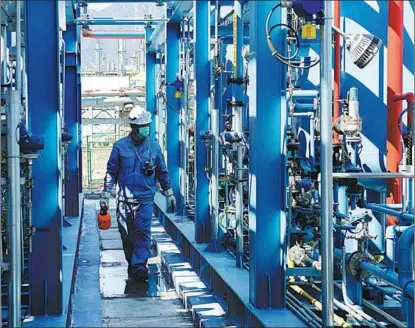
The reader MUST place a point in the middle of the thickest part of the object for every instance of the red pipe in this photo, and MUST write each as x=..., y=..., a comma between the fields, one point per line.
x=395, y=81
x=336, y=110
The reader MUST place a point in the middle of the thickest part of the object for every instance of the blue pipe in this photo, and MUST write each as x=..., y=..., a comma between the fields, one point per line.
x=397, y=214
x=405, y=265
x=304, y=94
x=151, y=90
x=202, y=70
x=391, y=206
x=391, y=232
x=173, y=110
x=303, y=107
x=388, y=290
x=385, y=275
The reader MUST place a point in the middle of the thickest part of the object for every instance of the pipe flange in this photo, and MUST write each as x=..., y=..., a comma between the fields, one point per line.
x=353, y=264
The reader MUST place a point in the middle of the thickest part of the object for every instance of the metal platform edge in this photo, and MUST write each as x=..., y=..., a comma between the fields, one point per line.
x=218, y=271
x=71, y=233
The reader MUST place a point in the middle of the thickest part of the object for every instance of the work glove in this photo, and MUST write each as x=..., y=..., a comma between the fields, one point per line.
x=171, y=201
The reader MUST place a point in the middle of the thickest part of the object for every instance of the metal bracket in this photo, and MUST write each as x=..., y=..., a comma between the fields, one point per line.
x=237, y=80
x=236, y=103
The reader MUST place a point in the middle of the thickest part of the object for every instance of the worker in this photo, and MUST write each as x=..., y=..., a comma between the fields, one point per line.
x=137, y=165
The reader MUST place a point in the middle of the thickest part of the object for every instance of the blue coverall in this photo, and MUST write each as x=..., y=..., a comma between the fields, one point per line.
x=135, y=197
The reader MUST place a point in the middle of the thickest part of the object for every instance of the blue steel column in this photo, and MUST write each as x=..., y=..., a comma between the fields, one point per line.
x=71, y=119
x=267, y=120
x=42, y=37
x=173, y=110
x=151, y=105
x=202, y=73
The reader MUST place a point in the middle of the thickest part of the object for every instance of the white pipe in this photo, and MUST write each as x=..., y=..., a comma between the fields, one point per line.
x=215, y=174
x=326, y=82
x=18, y=76
x=2, y=59
x=239, y=191
x=373, y=175
x=14, y=209
x=388, y=317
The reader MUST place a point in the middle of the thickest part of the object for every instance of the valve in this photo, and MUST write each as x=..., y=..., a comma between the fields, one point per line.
x=360, y=219
x=350, y=123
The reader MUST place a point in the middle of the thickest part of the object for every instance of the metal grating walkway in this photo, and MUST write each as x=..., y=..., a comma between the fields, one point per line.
x=119, y=302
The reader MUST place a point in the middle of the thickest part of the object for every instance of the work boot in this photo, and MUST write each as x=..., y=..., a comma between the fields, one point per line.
x=140, y=274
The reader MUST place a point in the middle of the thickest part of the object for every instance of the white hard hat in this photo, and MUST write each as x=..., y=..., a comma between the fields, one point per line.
x=139, y=116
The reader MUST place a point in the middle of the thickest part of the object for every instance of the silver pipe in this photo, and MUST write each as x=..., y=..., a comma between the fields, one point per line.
x=63, y=79
x=14, y=223
x=374, y=308
x=18, y=76
x=351, y=311
x=239, y=194
x=326, y=82
x=2, y=60
x=373, y=175
x=215, y=174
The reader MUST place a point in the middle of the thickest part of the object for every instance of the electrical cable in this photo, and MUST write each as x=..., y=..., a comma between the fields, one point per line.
x=274, y=52
x=400, y=120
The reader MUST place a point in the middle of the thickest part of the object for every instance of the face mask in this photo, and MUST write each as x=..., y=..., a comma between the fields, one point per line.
x=143, y=131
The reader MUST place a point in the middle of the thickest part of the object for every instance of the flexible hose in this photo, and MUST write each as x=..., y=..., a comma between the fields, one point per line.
x=285, y=60
x=338, y=320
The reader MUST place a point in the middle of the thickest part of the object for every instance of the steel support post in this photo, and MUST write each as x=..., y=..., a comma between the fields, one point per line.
x=14, y=216
x=173, y=110
x=151, y=85
x=2, y=59
x=267, y=112
x=71, y=119
x=202, y=73
x=326, y=163
x=79, y=117
x=42, y=46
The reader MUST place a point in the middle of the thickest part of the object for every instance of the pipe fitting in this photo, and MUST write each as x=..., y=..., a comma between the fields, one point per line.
x=353, y=264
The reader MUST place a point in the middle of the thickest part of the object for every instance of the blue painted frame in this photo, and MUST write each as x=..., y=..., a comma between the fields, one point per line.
x=70, y=37
x=173, y=109
x=202, y=74
x=42, y=28
x=267, y=112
